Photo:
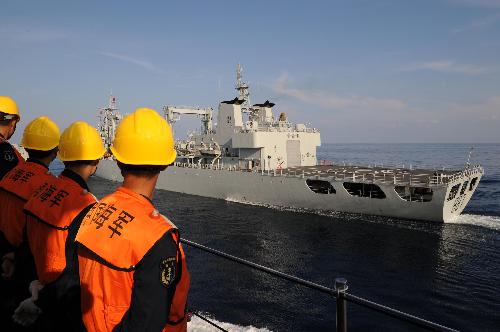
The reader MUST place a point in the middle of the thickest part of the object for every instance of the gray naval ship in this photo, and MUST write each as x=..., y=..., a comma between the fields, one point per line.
x=251, y=156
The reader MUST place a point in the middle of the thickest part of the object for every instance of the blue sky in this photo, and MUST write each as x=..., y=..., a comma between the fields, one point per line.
x=360, y=71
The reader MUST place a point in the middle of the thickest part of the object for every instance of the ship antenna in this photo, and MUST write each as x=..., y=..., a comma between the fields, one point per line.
x=467, y=165
x=242, y=88
x=108, y=121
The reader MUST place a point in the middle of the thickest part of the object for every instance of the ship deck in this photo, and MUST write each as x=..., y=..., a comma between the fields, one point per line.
x=367, y=174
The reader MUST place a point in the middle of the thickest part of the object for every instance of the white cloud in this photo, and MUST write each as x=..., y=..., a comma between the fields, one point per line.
x=479, y=24
x=486, y=111
x=141, y=63
x=477, y=3
x=329, y=100
x=448, y=66
x=434, y=122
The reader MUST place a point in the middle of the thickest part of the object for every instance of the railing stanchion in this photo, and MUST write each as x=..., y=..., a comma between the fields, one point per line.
x=340, y=288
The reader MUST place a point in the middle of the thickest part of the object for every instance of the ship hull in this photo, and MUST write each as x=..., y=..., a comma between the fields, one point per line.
x=272, y=189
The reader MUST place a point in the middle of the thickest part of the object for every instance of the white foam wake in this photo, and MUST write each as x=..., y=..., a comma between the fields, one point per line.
x=198, y=325
x=242, y=201
x=491, y=222
x=280, y=208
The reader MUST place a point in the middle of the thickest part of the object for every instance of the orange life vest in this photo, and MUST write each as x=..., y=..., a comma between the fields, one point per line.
x=49, y=214
x=120, y=229
x=16, y=188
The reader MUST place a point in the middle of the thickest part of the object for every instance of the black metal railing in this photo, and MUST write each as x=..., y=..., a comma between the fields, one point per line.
x=339, y=292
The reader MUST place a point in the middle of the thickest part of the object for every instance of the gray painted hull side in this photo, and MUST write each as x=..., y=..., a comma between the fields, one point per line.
x=293, y=192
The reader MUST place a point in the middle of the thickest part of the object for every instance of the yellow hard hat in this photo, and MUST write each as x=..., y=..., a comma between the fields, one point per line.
x=41, y=134
x=144, y=138
x=80, y=141
x=9, y=106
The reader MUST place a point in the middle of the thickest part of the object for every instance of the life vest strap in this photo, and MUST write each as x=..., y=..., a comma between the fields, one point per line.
x=13, y=194
x=178, y=278
x=100, y=260
x=104, y=262
x=177, y=322
x=65, y=228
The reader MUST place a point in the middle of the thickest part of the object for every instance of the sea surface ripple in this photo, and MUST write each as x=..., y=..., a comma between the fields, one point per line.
x=447, y=273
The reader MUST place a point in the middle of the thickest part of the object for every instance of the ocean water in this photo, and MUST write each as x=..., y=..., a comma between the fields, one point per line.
x=447, y=273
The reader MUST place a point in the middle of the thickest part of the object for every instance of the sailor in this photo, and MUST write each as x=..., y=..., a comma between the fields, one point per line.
x=133, y=271
x=9, y=117
x=40, y=139
x=54, y=214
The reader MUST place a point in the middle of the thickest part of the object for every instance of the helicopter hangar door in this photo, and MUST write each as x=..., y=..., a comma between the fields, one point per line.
x=293, y=153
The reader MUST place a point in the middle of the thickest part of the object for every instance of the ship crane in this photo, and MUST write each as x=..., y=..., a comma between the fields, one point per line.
x=173, y=113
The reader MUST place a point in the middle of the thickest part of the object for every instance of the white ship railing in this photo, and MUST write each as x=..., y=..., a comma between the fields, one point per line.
x=385, y=176
x=468, y=172
x=276, y=129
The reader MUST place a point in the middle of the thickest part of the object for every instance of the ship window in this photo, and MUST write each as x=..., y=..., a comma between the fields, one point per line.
x=364, y=190
x=464, y=187
x=453, y=192
x=414, y=194
x=320, y=186
x=472, y=184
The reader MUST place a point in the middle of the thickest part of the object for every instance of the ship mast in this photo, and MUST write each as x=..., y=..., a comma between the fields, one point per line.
x=108, y=120
x=242, y=87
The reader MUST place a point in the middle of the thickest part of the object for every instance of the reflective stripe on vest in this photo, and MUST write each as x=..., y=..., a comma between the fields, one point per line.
x=116, y=234
x=16, y=187
x=48, y=221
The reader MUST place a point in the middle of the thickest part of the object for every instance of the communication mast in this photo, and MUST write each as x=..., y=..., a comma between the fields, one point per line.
x=108, y=120
x=242, y=87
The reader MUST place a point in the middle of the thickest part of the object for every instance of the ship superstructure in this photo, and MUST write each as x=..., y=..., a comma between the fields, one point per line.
x=251, y=156
x=246, y=137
